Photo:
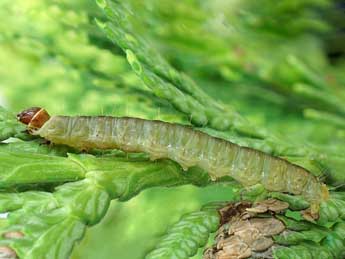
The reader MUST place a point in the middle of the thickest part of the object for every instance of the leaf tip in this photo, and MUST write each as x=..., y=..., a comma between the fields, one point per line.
x=101, y=3
x=133, y=61
x=100, y=24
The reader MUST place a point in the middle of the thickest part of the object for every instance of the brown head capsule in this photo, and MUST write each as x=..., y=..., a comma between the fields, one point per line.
x=34, y=117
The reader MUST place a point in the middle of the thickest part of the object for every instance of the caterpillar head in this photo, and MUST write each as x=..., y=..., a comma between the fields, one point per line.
x=34, y=117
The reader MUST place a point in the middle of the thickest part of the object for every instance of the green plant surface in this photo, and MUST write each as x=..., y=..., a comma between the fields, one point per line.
x=256, y=74
x=185, y=237
x=146, y=223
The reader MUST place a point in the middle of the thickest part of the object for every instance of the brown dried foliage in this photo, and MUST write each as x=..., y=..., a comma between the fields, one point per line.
x=246, y=230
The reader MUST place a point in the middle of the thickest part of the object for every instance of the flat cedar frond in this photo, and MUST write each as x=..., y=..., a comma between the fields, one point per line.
x=266, y=76
x=49, y=223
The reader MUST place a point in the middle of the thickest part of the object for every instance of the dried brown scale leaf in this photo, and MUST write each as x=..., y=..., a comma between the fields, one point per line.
x=267, y=254
x=243, y=234
x=248, y=235
x=269, y=205
x=238, y=225
x=309, y=215
x=261, y=244
x=209, y=253
x=235, y=247
x=258, y=209
x=233, y=210
x=269, y=226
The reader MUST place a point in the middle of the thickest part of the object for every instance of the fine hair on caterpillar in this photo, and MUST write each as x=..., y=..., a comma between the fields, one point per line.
x=182, y=144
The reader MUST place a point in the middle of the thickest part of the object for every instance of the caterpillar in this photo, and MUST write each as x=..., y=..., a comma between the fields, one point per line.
x=182, y=144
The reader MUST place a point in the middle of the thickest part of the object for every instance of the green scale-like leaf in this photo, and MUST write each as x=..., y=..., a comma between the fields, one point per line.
x=184, y=238
x=53, y=222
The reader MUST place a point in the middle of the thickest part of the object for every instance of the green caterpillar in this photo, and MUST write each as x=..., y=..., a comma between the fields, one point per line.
x=182, y=144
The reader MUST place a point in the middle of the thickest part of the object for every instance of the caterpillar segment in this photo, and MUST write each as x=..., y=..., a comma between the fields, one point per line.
x=183, y=144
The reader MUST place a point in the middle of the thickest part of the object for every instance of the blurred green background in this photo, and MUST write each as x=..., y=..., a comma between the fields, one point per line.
x=275, y=62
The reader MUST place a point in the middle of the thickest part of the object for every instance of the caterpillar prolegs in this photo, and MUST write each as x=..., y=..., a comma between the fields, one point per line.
x=186, y=146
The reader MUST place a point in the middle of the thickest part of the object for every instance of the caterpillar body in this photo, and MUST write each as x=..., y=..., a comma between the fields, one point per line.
x=186, y=146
